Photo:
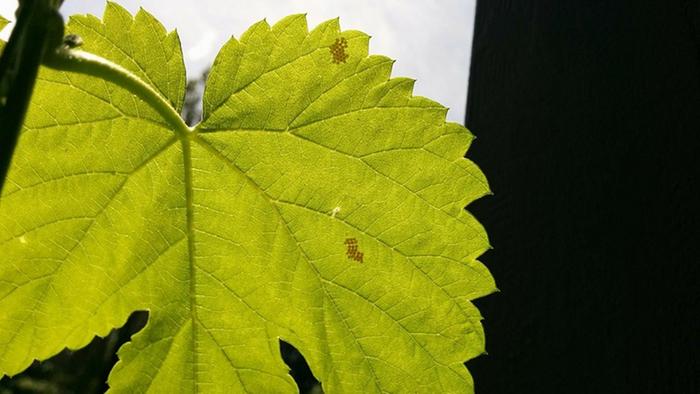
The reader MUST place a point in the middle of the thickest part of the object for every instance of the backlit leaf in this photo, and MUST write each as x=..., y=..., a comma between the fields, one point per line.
x=3, y=22
x=318, y=202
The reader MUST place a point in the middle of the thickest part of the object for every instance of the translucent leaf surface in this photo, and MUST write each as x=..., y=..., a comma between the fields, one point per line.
x=3, y=23
x=318, y=202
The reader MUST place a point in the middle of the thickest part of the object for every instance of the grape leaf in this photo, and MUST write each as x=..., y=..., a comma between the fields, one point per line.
x=3, y=22
x=318, y=202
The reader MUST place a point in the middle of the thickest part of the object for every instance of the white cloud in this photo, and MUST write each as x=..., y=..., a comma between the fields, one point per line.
x=431, y=40
x=204, y=47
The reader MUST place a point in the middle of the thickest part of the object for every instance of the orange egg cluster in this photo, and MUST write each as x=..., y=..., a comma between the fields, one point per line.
x=353, y=252
x=338, y=50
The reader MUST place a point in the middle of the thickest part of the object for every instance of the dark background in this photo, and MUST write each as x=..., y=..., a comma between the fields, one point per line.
x=587, y=116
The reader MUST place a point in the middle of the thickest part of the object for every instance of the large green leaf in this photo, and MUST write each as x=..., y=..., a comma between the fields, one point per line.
x=241, y=231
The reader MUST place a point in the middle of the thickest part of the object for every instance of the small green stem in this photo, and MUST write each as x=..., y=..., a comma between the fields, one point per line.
x=66, y=59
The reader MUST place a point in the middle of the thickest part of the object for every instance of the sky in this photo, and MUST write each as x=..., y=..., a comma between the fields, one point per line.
x=430, y=39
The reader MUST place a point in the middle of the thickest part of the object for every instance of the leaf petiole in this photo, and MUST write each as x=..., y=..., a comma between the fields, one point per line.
x=67, y=59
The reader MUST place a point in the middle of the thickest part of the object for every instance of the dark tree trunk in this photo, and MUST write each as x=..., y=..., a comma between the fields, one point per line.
x=587, y=115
